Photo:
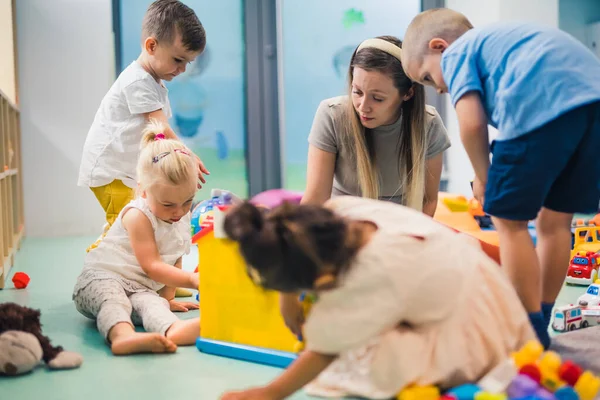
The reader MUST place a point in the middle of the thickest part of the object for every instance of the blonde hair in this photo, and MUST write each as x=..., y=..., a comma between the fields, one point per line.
x=163, y=160
x=442, y=23
x=412, y=140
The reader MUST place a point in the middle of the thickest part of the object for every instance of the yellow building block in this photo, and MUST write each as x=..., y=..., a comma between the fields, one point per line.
x=587, y=386
x=490, y=396
x=419, y=393
x=528, y=354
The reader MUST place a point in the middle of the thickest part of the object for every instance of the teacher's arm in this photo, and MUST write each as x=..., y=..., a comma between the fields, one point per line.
x=433, y=175
x=319, y=176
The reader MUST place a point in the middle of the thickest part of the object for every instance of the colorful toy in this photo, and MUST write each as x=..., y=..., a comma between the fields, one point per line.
x=419, y=393
x=239, y=319
x=530, y=374
x=203, y=211
x=583, y=268
x=568, y=318
x=580, y=222
x=21, y=280
x=591, y=297
x=274, y=197
x=587, y=239
x=465, y=221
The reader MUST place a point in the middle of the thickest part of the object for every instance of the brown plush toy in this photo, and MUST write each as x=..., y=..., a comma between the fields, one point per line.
x=23, y=346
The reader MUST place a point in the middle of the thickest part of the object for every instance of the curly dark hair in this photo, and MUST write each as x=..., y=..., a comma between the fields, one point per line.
x=14, y=317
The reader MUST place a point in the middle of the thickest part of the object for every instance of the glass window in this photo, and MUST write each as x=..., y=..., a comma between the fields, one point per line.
x=208, y=100
x=317, y=39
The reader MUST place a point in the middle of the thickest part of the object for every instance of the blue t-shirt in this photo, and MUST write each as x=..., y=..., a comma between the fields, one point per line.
x=527, y=75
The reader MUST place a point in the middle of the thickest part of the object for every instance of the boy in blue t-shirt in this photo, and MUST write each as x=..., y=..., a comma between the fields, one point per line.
x=541, y=89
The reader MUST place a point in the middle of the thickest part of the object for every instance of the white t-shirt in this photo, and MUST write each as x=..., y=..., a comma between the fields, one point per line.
x=112, y=146
x=114, y=257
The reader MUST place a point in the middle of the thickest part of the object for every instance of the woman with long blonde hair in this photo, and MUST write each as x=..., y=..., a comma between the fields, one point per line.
x=380, y=141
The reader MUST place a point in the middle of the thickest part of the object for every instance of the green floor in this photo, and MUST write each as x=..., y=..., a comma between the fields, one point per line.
x=53, y=265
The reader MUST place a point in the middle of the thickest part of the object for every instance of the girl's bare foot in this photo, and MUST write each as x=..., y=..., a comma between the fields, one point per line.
x=139, y=342
x=184, y=332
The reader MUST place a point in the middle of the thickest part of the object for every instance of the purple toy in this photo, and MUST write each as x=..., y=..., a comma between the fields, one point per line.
x=522, y=386
x=274, y=197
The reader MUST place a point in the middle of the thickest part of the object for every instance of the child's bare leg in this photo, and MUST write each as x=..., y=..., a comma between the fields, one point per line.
x=520, y=261
x=521, y=264
x=125, y=340
x=184, y=332
x=553, y=248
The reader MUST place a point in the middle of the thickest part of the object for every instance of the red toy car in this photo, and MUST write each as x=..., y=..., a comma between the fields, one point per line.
x=583, y=268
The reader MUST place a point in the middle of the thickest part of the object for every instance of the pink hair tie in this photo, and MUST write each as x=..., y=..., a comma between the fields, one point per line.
x=160, y=136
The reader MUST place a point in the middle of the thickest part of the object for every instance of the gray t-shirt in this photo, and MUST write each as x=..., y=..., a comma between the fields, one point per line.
x=326, y=134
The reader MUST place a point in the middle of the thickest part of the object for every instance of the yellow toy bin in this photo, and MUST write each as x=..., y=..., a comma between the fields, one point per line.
x=239, y=319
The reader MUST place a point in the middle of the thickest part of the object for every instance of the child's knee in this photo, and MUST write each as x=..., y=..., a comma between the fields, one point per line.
x=551, y=222
x=507, y=225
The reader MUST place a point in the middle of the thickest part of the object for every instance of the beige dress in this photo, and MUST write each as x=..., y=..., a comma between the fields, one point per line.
x=420, y=304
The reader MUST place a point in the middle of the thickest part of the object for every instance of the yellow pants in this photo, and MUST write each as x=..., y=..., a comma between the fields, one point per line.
x=113, y=198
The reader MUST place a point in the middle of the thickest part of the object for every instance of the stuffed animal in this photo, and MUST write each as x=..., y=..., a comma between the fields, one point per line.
x=23, y=346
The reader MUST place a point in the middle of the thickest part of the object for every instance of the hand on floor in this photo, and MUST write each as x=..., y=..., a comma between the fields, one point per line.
x=182, y=306
x=250, y=394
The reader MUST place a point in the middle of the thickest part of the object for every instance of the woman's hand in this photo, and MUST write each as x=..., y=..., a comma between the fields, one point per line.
x=292, y=312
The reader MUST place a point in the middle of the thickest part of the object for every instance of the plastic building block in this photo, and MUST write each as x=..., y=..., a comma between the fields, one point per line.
x=456, y=204
x=522, y=386
x=543, y=394
x=21, y=280
x=419, y=393
x=532, y=371
x=549, y=365
x=566, y=393
x=587, y=386
x=498, y=379
x=490, y=396
x=528, y=354
x=465, y=392
x=570, y=372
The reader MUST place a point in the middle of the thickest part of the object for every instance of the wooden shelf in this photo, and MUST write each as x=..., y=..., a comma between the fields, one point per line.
x=11, y=187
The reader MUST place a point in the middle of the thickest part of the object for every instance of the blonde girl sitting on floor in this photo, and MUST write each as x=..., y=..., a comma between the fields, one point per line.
x=141, y=254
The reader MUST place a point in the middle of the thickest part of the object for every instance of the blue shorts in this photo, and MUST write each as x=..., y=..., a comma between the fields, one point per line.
x=556, y=166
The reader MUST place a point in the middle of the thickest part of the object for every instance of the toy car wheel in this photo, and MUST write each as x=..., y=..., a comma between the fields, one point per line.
x=572, y=327
x=585, y=324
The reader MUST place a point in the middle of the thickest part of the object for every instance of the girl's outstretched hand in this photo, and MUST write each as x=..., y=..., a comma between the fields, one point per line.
x=250, y=394
x=182, y=306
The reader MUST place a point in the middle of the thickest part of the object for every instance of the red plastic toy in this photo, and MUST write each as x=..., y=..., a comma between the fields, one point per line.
x=21, y=280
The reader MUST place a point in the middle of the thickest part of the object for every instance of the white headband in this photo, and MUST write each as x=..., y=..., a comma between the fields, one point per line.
x=382, y=45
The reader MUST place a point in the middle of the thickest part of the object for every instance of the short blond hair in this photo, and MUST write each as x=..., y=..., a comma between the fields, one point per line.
x=163, y=160
x=442, y=23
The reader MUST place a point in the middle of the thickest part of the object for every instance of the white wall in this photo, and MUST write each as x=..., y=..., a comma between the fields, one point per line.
x=7, y=61
x=66, y=65
x=483, y=12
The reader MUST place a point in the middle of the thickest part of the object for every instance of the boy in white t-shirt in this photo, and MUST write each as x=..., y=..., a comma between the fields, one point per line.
x=172, y=37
